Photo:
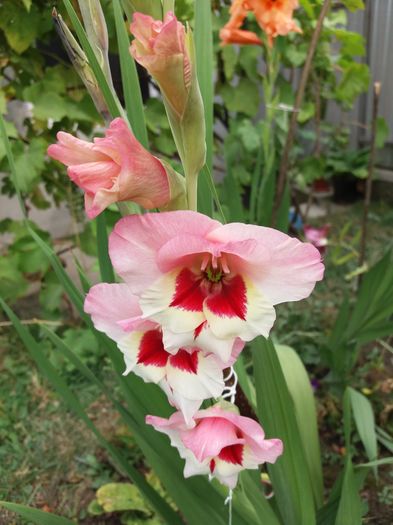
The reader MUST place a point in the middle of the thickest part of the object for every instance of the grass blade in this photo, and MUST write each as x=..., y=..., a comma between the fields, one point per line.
x=275, y=409
x=252, y=487
x=10, y=157
x=204, y=58
x=37, y=516
x=129, y=76
x=106, y=268
x=110, y=97
x=303, y=398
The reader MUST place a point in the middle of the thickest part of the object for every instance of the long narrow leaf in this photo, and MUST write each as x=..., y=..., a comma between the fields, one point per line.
x=10, y=157
x=129, y=76
x=106, y=268
x=363, y=415
x=204, y=56
x=350, y=506
x=275, y=408
x=74, y=405
x=252, y=486
x=37, y=516
x=302, y=395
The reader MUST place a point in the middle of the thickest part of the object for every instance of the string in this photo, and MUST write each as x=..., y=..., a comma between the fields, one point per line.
x=228, y=502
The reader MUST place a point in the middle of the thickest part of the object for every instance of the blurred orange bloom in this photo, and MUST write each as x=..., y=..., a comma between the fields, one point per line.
x=275, y=17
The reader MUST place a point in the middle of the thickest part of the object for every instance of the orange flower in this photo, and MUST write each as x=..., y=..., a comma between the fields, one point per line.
x=273, y=16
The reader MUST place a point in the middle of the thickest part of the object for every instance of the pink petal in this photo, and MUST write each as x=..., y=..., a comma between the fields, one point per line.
x=108, y=304
x=136, y=240
x=209, y=437
x=292, y=269
x=70, y=150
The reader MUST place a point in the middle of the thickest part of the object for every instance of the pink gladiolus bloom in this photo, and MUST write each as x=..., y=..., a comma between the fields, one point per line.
x=220, y=443
x=187, y=375
x=196, y=276
x=112, y=169
x=161, y=48
x=317, y=236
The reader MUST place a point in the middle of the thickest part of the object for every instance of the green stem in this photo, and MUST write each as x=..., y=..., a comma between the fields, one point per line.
x=192, y=191
x=264, y=184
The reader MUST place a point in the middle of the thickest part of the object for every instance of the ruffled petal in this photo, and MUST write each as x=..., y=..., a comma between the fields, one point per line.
x=108, y=304
x=136, y=240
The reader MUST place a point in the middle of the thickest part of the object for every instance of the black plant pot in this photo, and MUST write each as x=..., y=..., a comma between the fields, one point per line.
x=345, y=188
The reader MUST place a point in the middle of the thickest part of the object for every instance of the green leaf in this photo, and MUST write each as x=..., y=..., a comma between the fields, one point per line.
x=37, y=516
x=204, y=64
x=106, y=268
x=302, y=395
x=382, y=132
x=74, y=405
x=363, y=415
x=355, y=81
x=12, y=282
x=230, y=58
x=352, y=44
x=353, y=5
x=306, y=112
x=251, y=484
x=243, y=98
x=11, y=161
x=350, y=506
x=276, y=412
x=376, y=463
x=116, y=497
x=131, y=87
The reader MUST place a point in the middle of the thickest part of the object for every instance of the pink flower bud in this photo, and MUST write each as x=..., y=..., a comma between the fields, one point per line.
x=115, y=168
x=160, y=47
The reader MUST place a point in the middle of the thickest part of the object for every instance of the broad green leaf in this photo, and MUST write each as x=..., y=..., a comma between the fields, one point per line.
x=36, y=516
x=276, y=412
x=115, y=497
x=363, y=415
x=129, y=75
x=353, y=5
x=12, y=282
x=299, y=387
x=350, y=506
x=148, y=7
x=354, y=82
x=230, y=59
x=352, y=44
x=243, y=98
x=204, y=64
x=250, y=482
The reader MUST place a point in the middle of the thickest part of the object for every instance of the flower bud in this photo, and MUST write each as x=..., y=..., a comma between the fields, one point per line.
x=166, y=50
x=117, y=168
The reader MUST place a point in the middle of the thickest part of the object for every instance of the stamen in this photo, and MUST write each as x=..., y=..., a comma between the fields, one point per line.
x=224, y=264
x=205, y=262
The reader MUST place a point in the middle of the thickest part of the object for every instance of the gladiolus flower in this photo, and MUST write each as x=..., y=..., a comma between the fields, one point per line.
x=165, y=49
x=194, y=274
x=186, y=374
x=232, y=33
x=317, y=236
x=116, y=168
x=220, y=443
x=275, y=17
